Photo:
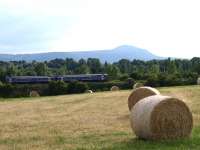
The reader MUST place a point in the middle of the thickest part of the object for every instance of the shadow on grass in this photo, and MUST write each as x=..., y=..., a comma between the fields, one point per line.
x=138, y=144
x=125, y=141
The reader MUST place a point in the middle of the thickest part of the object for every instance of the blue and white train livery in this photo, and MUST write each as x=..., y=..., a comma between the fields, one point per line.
x=65, y=78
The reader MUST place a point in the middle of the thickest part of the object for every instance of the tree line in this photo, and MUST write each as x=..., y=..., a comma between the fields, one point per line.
x=168, y=72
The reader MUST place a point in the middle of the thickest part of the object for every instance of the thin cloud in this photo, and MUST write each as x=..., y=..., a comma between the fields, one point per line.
x=166, y=28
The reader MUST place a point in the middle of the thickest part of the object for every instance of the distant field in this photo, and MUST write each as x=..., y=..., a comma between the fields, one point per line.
x=84, y=122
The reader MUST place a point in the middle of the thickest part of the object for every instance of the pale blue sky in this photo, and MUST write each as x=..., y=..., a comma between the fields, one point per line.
x=164, y=27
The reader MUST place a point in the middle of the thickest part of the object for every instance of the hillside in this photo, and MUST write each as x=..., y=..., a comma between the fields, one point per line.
x=122, y=52
x=84, y=122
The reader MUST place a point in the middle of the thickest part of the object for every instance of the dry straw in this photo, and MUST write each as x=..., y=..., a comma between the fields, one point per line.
x=139, y=94
x=114, y=88
x=198, y=81
x=137, y=85
x=34, y=94
x=161, y=117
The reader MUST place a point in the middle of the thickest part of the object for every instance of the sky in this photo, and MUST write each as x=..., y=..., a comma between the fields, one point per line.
x=169, y=28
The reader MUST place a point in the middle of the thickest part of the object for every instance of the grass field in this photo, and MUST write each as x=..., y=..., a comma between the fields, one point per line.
x=85, y=122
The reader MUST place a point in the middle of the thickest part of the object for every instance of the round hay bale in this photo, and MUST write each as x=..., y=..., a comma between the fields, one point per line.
x=160, y=118
x=198, y=81
x=89, y=91
x=114, y=88
x=34, y=94
x=137, y=85
x=139, y=94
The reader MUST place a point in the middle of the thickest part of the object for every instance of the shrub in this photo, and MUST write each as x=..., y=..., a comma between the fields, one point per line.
x=6, y=90
x=77, y=87
x=57, y=88
x=123, y=77
x=152, y=80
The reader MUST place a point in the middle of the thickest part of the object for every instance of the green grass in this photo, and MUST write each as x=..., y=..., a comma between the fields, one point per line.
x=96, y=121
x=128, y=142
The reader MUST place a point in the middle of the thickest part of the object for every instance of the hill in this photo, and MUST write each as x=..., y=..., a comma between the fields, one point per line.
x=85, y=122
x=122, y=52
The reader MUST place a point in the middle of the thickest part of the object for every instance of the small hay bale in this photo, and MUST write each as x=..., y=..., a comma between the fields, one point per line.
x=140, y=93
x=34, y=94
x=114, y=88
x=161, y=118
x=89, y=91
x=137, y=85
x=198, y=81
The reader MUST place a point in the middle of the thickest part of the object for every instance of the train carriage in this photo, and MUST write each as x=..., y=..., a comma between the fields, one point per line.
x=85, y=77
x=28, y=79
x=66, y=78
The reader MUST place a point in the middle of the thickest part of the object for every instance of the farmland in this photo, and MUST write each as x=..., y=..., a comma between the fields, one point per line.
x=85, y=122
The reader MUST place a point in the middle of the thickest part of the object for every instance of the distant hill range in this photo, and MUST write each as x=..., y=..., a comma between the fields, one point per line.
x=112, y=55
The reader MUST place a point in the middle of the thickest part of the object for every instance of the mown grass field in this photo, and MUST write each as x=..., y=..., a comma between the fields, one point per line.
x=85, y=122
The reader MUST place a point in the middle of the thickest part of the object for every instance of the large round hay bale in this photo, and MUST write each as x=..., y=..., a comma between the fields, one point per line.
x=139, y=94
x=161, y=117
x=198, y=81
x=114, y=88
x=34, y=94
x=137, y=85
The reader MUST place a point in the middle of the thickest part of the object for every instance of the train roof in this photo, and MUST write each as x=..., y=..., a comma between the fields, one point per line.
x=78, y=75
x=29, y=77
x=81, y=75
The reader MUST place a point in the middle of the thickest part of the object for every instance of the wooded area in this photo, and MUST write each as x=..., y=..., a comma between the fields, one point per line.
x=168, y=72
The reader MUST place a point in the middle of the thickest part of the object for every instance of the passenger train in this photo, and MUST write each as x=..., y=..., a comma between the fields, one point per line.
x=65, y=78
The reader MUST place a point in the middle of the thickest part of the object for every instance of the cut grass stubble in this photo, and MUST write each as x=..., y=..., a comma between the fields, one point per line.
x=86, y=121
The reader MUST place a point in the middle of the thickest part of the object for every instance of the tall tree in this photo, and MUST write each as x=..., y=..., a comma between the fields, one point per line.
x=41, y=69
x=94, y=65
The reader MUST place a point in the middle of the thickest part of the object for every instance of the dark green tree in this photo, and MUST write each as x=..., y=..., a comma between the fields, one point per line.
x=41, y=69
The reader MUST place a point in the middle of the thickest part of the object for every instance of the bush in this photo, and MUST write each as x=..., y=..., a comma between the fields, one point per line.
x=23, y=90
x=57, y=88
x=123, y=77
x=105, y=86
x=130, y=81
x=152, y=80
x=165, y=79
x=77, y=87
x=6, y=90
